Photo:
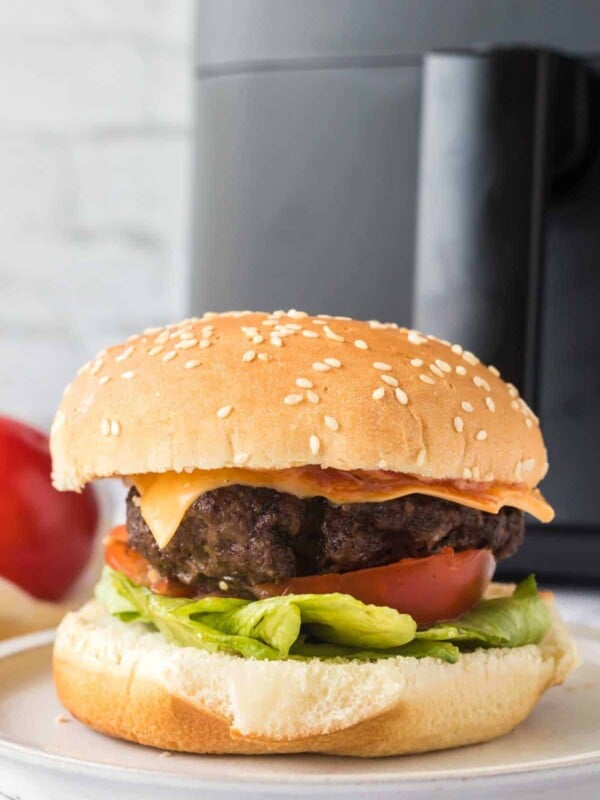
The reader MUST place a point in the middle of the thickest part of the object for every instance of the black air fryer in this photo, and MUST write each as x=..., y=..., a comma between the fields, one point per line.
x=375, y=159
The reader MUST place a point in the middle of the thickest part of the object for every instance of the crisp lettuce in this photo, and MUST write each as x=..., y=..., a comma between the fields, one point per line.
x=512, y=621
x=323, y=626
x=260, y=629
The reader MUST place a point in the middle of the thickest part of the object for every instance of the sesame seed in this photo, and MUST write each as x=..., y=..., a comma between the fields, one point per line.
x=105, y=427
x=382, y=366
x=515, y=405
x=389, y=379
x=312, y=397
x=223, y=586
x=296, y=314
x=332, y=335
x=489, y=476
x=436, y=370
x=512, y=390
x=249, y=355
x=127, y=375
x=240, y=459
x=528, y=422
x=258, y=339
x=185, y=344
x=414, y=337
x=379, y=393
x=333, y=362
x=191, y=364
x=187, y=335
x=456, y=348
x=490, y=403
x=293, y=326
x=264, y=356
x=481, y=383
x=224, y=411
x=460, y=370
x=249, y=331
x=269, y=322
x=426, y=379
x=115, y=428
x=310, y=334
x=528, y=464
x=476, y=473
x=467, y=474
x=204, y=343
x=466, y=406
x=470, y=358
x=318, y=366
x=401, y=396
x=155, y=350
x=481, y=435
x=458, y=424
x=125, y=354
x=314, y=444
x=421, y=456
x=304, y=383
x=443, y=365
x=292, y=399
x=276, y=341
x=170, y=355
x=361, y=344
x=162, y=338
x=331, y=423
x=97, y=366
x=84, y=368
x=382, y=463
x=104, y=379
x=494, y=370
x=319, y=321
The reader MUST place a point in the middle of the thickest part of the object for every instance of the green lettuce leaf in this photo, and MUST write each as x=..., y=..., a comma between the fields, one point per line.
x=323, y=626
x=418, y=648
x=260, y=629
x=513, y=621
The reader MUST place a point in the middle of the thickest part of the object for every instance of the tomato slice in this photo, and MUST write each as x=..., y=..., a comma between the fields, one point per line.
x=122, y=558
x=430, y=589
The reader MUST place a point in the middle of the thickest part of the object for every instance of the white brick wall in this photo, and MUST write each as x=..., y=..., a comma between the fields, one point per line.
x=95, y=152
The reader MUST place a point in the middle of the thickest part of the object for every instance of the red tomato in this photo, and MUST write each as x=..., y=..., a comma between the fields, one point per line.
x=430, y=589
x=46, y=536
x=123, y=559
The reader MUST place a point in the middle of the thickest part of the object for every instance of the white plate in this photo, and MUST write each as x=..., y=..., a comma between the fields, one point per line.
x=557, y=750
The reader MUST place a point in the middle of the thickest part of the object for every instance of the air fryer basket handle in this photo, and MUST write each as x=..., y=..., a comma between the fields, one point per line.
x=502, y=129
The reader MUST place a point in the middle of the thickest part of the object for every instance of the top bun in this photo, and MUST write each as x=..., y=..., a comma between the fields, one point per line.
x=271, y=391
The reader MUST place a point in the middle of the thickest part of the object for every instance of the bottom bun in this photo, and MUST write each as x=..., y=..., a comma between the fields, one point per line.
x=128, y=682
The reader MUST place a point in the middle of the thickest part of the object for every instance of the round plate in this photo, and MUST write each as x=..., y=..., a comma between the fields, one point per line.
x=45, y=753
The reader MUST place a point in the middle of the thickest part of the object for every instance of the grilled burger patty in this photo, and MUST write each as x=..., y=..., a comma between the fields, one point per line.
x=249, y=535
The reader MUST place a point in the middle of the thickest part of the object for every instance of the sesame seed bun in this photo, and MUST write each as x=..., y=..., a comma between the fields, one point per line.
x=127, y=682
x=272, y=391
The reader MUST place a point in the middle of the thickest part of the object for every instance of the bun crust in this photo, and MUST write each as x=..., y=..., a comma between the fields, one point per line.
x=126, y=682
x=276, y=391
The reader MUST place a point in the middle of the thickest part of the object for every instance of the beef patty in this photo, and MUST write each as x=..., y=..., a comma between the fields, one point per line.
x=248, y=535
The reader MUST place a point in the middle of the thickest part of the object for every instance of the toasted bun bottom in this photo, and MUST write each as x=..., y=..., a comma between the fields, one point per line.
x=127, y=682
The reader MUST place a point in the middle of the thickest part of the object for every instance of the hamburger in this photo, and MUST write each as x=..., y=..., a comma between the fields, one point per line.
x=315, y=509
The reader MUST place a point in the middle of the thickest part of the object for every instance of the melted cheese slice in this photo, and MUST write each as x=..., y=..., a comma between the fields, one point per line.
x=166, y=497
